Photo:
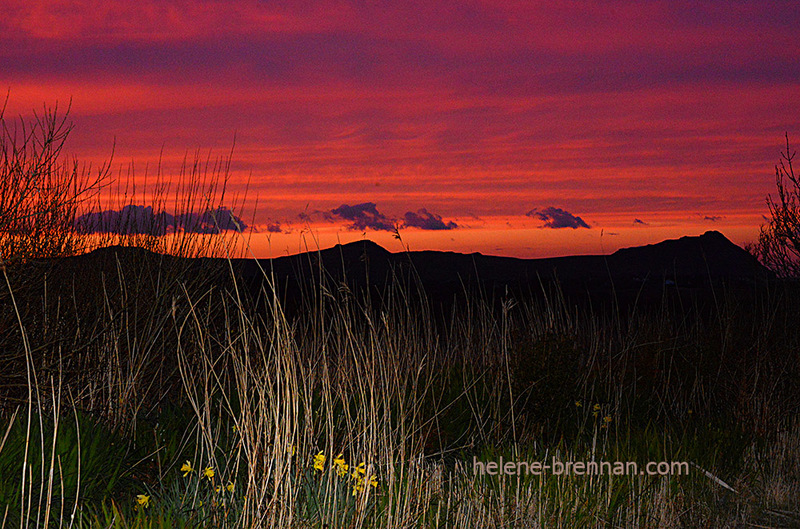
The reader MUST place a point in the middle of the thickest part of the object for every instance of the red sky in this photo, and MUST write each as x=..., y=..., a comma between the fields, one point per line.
x=496, y=118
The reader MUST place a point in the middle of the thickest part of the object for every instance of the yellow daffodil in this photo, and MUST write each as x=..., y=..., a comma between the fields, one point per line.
x=358, y=477
x=319, y=461
x=578, y=404
x=208, y=473
x=142, y=500
x=341, y=466
x=358, y=486
x=187, y=468
x=359, y=470
x=373, y=481
x=595, y=410
x=230, y=486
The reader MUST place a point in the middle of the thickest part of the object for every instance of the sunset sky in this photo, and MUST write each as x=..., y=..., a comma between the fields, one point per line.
x=511, y=128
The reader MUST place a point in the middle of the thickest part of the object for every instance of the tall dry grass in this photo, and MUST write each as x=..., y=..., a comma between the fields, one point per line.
x=260, y=394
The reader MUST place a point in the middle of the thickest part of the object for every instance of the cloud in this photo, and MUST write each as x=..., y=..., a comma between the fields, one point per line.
x=557, y=218
x=212, y=221
x=425, y=220
x=640, y=222
x=129, y=220
x=275, y=227
x=133, y=219
x=713, y=218
x=364, y=216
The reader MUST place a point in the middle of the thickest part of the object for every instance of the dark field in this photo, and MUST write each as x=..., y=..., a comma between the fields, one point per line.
x=142, y=390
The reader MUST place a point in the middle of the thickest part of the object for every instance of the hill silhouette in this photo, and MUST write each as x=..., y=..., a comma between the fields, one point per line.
x=708, y=256
x=685, y=264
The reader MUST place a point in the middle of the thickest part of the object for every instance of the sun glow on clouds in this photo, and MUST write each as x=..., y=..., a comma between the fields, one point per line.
x=517, y=237
x=470, y=109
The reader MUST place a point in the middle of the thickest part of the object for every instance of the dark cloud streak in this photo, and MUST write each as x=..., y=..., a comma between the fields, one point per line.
x=425, y=220
x=557, y=218
x=363, y=216
x=133, y=220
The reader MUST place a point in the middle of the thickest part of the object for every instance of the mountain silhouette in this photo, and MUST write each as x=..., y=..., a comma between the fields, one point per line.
x=685, y=264
x=688, y=262
x=710, y=256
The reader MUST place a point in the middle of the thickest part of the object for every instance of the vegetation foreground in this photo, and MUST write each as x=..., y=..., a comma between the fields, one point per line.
x=145, y=394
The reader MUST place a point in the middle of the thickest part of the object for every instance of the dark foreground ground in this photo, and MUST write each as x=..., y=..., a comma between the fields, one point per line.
x=120, y=367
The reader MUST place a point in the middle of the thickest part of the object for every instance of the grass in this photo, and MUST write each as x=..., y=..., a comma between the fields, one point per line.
x=143, y=387
x=255, y=395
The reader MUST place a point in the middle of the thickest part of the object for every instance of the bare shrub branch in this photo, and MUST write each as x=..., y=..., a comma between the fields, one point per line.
x=40, y=189
x=779, y=241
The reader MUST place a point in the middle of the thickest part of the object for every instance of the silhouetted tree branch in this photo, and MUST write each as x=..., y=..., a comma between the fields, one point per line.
x=779, y=241
x=40, y=190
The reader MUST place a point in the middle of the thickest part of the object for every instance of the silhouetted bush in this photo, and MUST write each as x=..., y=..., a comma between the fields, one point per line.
x=41, y=189
x=779, y=242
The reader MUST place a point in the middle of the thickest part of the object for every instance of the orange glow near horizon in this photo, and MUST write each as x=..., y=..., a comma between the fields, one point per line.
x=660, y=121
x=494, y=237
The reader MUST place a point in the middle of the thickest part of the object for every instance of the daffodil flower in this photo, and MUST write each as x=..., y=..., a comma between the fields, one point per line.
x=359, y=470
x=578, y=404
x=341, y=466
x=358, y=477
x=187, y=468
x=208, y=473
x=230, y=486
x=358, y=486
x=319, y=462
x=373, y=481
x=142, y=500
